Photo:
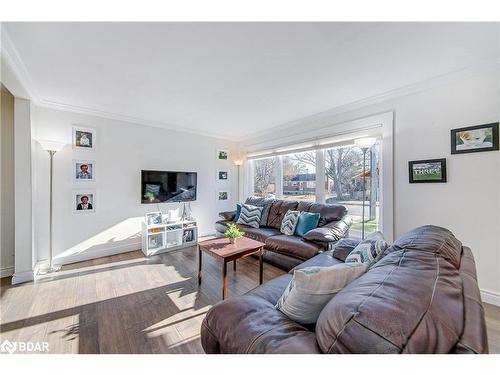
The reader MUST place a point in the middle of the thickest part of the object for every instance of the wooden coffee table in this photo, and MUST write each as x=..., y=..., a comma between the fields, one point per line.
x=224, y=251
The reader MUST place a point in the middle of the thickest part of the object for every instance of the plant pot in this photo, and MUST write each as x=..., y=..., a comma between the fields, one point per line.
x=232, y=240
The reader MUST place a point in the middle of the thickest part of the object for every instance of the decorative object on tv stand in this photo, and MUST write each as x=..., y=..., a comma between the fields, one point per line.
x=478, y=138
x=233, y=232
x=154, y=218
x=84, y=138
x=163, y=237
x=426, y=171
x=364, y=144
x=84, y=170
x=84, y=201
x=51, y=147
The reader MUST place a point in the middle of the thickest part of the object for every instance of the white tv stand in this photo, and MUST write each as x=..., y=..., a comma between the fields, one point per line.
x=160, y=238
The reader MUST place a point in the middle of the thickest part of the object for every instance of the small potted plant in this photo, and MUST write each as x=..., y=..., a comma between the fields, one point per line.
x=233, y=232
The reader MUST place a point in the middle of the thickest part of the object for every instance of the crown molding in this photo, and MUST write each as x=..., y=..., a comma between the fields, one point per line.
x=11, y=57
x=318, y=120
x=125, y=118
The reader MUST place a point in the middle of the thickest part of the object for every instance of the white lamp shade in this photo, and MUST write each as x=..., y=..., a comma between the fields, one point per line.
x=238, y=162
x=51, y=145
x=365, y=142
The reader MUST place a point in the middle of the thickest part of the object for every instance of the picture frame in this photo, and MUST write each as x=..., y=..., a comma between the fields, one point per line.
x=222, y=175
x=84, y=170
x=479, y=138
x=84, y=138
x=222, y=154
x=223, y=195
x=156, y=241
x=153, y=218
x=427, y=171
x=82, y=205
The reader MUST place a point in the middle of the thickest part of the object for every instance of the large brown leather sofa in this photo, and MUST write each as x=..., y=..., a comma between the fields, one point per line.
x=287, y=252
x=420, y=297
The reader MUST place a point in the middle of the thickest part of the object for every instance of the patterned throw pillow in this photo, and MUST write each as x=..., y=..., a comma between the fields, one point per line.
x=265, y=203
x=250, y=215
x=313, y=287
x=368, y=251
x=289, y=222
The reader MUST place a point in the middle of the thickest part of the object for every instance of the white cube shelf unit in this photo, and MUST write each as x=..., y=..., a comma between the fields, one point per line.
x=160, y=238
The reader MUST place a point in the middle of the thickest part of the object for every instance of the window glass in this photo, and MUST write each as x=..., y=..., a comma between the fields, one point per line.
x=299, y=176
x=264, y=177
x=344, y=178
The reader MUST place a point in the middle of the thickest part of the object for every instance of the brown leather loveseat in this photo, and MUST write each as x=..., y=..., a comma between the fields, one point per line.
x=284, y=251
x=420, y=297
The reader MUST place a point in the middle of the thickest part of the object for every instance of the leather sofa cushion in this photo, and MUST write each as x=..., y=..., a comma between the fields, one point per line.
x=327, y=212
x=294, y=246
x=410, y=301
x=278, y=210
x=432, y=239
x=251, y=324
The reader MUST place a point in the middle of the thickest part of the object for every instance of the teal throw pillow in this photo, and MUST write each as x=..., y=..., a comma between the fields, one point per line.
x=307, y=221
x=238, y=212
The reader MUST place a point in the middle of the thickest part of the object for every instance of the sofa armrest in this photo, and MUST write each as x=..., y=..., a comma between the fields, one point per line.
x=331, y=232
x=227, y=215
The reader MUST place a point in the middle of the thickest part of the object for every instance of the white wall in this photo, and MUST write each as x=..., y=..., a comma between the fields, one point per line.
x=7, y=185
x=123, y=149
x=469, y=203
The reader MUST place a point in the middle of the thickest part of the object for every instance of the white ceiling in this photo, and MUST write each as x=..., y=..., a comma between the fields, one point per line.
x=238, y=79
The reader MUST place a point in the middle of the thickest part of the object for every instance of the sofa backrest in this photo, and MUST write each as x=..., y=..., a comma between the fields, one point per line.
x=278, y=210
x=327, y=212
x=279, y=207
x=410, y=301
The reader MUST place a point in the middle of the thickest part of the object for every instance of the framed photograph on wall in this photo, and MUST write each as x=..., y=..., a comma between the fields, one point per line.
x=222, y=176
x=223, y=195
x=425, y=171
x=84, y=138
x=84, y=170
x=84, y=201
x=222, y=155
x=475, y=139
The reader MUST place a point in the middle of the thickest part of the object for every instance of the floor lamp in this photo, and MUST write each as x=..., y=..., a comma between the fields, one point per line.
x=238, y=163
x=364, y=144
x=51, y=147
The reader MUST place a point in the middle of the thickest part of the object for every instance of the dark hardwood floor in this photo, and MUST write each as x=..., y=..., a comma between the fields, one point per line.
x=127, y=303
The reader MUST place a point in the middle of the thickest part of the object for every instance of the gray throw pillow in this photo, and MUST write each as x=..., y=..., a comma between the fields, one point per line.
x=368, y=251
x=313, y=287
x=289, y=222
x=250, y=215
x=265, y=203
x=344, y=247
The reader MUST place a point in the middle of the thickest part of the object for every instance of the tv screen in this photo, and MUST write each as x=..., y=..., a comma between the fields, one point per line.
x=167, y=187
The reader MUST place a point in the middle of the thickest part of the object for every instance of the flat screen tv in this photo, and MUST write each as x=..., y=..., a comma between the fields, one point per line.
x=167, y=187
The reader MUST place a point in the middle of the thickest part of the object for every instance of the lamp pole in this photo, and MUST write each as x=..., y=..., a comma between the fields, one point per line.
x=51, y=147
x=364, y=194
x=364, y=144
x=51, y=182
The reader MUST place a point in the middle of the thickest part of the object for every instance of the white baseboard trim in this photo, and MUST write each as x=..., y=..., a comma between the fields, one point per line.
x=488, y=296
x=103, y=252
x=22, y=277
x=6, y=271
